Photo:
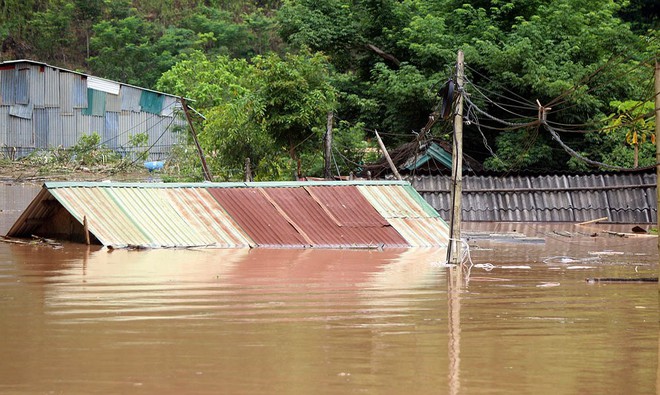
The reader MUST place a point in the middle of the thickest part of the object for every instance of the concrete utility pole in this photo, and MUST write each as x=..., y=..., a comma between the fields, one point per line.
x=454, y=244
x=327, y=156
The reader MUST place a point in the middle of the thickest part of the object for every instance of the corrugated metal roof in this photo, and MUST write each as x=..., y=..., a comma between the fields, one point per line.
x=321, y=228
x=10, y=63
x=622, y=197
x=201, y=209
x=262, y=221
x=103, y=85
x=419, y=225
x=300, y=215
x=346, y=206
x=422, y=232
x=151, y=217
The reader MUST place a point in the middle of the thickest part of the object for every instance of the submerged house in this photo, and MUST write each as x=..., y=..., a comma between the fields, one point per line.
x=43, y=106
x=326, y=214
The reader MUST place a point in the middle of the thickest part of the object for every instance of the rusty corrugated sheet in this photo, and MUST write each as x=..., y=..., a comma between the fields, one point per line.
x=347, y=205
x=203, y=211
x=414, y=222
x=392, y=201
x=295, y=214
x=422, y=232
x=263, y=223
x=322, y=230
x=149, y=217
x=107, y=221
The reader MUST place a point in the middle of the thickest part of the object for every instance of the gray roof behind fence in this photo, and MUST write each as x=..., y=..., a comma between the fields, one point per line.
x=622, y=198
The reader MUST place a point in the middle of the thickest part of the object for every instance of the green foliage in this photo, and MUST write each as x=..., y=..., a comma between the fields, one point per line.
x=51, y=30
x=266, y=73
x=328, y=26
x=630, y=132
x=89, y=151
x=267, y=110
x=139, y=143
x=521, y=149
x=405, y=98
x=217, y=31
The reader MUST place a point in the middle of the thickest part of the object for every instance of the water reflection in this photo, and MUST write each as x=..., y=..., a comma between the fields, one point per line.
x=84, y=320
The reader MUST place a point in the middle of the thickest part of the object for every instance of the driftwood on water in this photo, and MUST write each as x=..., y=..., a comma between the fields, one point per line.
x=594, y=280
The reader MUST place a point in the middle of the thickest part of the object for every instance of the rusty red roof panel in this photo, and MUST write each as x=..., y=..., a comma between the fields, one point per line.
x=260, y=220
x=347, y=205
x=317, y=225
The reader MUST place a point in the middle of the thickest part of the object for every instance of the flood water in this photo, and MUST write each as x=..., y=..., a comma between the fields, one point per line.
x=520, y=319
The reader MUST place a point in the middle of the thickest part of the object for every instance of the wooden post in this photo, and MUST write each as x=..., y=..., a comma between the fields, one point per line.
x=248, y=170
x=327, y=155
x=387, y=157
x=205, y=168
x=657, y=150
x=454, y=244
x=86, y=230
x=657, y=178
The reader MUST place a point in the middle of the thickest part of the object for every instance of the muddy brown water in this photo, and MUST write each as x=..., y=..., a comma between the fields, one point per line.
x=522, y=319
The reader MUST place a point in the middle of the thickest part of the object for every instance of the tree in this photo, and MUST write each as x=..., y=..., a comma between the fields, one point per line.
x=51, y=31
x=632, y=123
x=269, y=110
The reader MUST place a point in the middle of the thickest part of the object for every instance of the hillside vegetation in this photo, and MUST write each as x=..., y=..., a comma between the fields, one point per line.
x=266, y=74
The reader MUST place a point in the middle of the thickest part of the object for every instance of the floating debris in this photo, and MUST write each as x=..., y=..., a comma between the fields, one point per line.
x=606, y=252
x=594, y=280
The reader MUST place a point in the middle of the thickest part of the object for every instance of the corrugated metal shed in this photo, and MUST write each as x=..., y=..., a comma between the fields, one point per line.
x=51, y=86
x=621, y=197
x=83, y=103
x=232, y=215
x=8, y=78
x=22, y=88
x=37, y=79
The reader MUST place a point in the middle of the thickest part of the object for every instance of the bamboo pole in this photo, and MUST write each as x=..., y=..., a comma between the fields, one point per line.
x=454, y=245
x=387, y=157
